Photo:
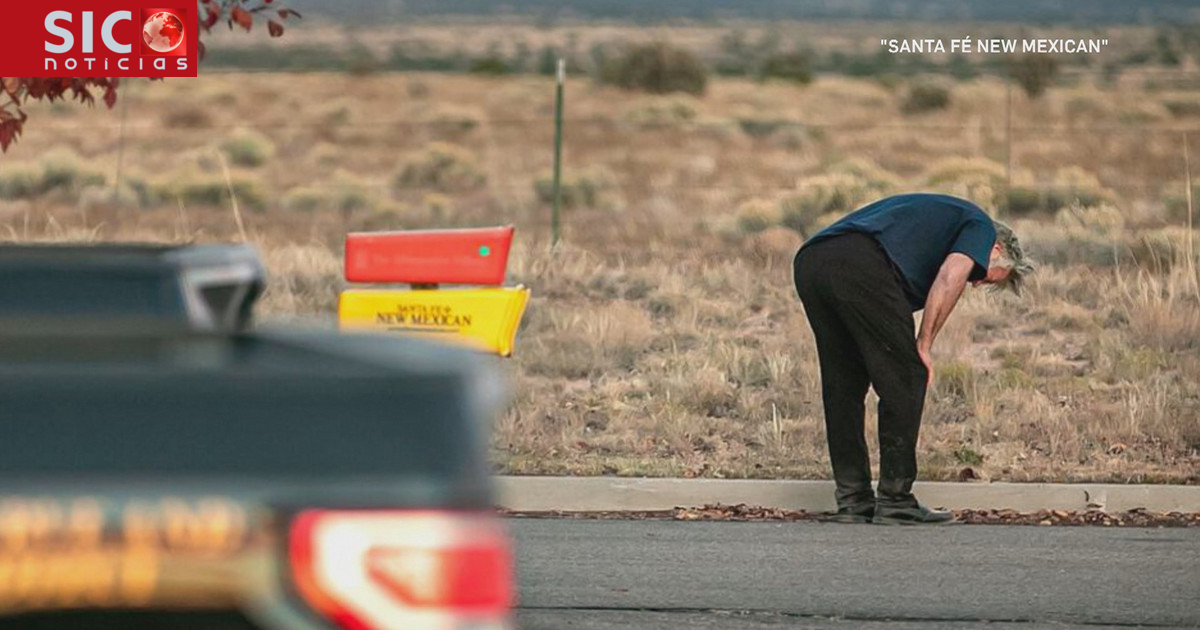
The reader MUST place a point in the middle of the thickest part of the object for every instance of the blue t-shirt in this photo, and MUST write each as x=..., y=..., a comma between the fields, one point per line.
x=918, y=231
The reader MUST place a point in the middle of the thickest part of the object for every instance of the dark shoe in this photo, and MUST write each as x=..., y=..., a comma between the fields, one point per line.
x=860, y=513
x=911, y=515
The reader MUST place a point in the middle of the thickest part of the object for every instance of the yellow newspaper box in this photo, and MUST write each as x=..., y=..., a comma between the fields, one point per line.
x=485, y=319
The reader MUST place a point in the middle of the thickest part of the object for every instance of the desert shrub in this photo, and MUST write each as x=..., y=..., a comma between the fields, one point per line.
x=1083, y=183
x=960, y=67
x=1023, y=200
x=215, y=191
x=662, y=112
x=1183, y=108
x=818, y=196
x=925, y=97
x=1088, y=105
x=580, y=189
x=978, y=179
x=304, y=199
x=327, y=154
x=738, y=55
x=837, y=192
x=1056, y=248
x=795, y=66
x=1102, y=220
x=1034, y=73
x=1071, y=185
x=360, y=61
x=437, y=207
x=1143, y=112
x=756, y=215
x=441, y=166
x=187, y=117
x=20, y=181
x=871, y=174
x=60, y=171
x=658, y=68
x=342, y=193
x=144, y=189
x=212, y=190
x=957, y=380
x=337, y=113
x=422, y=56
x=301, y=57
x=248, y=148
x=123, y=196
x=491, y=64
x=451, y=119
x=1157, y=250
x=64, y=170
x=762, y=127
x=348, y=193
x=1095, y=236
x=966, y=455
x=1175, y=203
x=957, y=170
x=417, y=88
x=795, y=136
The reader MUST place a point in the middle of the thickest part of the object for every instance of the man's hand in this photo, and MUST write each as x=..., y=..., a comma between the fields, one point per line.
x=943, y=297
x=928, y=361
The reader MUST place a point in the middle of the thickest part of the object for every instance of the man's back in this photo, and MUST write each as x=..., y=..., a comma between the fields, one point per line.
x=918, y=231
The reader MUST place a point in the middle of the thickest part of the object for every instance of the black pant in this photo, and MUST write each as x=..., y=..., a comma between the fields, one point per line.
x=863, y=324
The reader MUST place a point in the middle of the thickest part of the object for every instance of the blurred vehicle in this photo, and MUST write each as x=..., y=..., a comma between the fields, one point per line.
x=163, y=471
x=202, y=287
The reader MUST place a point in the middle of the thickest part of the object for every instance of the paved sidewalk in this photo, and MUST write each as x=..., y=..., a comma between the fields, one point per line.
x=603, y=494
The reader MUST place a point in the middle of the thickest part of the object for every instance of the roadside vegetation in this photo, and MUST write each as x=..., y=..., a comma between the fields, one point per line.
x=664, y=337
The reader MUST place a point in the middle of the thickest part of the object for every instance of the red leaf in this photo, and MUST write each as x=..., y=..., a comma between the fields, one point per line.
x=210, y=19
x=275, y=28
x=200, y=50
x=110, y=97
x=242, y=18
x=11, y=85
x=9, y=129
x=284, y=13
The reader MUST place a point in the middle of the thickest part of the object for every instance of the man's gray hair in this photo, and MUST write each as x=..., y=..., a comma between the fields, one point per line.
x=1013, y=258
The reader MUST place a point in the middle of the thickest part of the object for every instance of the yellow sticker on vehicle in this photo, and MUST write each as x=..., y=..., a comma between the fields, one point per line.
x=484, y=319
x=96, y=552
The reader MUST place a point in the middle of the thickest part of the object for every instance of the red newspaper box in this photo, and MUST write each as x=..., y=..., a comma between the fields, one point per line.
x=473, y=256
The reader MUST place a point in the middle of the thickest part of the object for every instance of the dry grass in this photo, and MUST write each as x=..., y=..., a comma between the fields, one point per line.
x=665, y=337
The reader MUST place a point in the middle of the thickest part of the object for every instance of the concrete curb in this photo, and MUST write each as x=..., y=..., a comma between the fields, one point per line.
x=614, y=494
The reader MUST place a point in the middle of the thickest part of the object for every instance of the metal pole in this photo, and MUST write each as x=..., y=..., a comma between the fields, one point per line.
x=1008, y=150
x=116, y=191
x=1191, y=252
x=556, y=218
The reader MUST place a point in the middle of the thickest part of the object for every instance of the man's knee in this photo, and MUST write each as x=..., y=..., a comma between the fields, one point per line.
x=839, y=395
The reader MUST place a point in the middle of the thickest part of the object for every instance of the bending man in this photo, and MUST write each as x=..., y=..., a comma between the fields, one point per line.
x=860, y=280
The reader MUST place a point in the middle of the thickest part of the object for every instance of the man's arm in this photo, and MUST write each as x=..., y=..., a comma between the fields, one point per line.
x=943, y=296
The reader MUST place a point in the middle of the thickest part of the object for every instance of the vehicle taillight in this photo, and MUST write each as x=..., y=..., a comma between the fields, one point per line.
x=399, y=570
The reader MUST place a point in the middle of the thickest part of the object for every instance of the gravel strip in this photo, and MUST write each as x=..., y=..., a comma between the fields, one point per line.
x=742, y=512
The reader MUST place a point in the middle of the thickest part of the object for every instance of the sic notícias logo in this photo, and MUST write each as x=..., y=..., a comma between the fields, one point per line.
x=138, y=42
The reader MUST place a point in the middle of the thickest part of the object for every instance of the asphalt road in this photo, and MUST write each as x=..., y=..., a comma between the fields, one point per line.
x=650, y=575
